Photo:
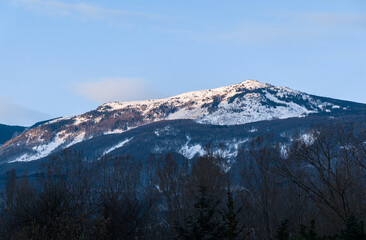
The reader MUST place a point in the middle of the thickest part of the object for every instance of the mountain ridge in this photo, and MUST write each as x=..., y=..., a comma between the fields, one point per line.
x=8, y=131
x=246, y=102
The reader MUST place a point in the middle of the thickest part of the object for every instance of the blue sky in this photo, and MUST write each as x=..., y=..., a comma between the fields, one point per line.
x=65, y=57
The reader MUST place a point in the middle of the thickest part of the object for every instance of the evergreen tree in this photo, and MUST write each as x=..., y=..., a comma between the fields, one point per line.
x=202, y=223
x=230, y=217
x=354, y=230
x=309, y=234
x=282, y=232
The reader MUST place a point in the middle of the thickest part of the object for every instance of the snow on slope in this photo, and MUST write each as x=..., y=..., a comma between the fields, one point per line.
x=249, y=107
x=244, y=109
x=121, y=144
x=242, y=103
x=228, y=150
x=40, y=151
x=43, y=150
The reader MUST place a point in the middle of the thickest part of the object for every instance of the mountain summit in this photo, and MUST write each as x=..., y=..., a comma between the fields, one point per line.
x=246, y=102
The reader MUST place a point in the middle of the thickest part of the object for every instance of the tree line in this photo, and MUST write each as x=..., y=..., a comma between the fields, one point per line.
x=312, y=188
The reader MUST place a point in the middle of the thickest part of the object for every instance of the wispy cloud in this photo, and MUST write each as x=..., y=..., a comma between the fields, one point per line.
x=284, y=26
x=247, y=33
x=13, y=114
x=116, y=89
x=331, y=18
x=82, y=10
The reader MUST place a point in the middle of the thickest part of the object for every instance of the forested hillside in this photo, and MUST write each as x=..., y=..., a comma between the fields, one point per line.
x=7, y=132
x=310, y=189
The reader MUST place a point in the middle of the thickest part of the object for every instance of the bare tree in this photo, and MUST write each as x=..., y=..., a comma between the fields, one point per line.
x=262, y=190
x=324, y=165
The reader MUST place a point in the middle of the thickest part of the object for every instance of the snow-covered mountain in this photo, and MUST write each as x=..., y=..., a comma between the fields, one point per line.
x=246, y=102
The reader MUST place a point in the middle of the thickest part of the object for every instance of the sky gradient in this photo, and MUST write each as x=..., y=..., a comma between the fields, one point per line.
x=65, y=57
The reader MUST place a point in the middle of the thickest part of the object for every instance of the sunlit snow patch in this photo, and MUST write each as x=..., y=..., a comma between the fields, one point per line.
x=191, y=151
x=40, y=151
x=253, y=130
x=121, y=144
x=308, y=138
x=230, y=150
x=77, y=139
x=284, y=150
x=168, y=130
x=114, y=131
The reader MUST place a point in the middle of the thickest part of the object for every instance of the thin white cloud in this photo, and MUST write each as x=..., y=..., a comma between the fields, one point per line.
x=331, y=18
x=116, y=89
x=252, y=33
x=284, y=26
x=82, y=10
x=13, y=114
